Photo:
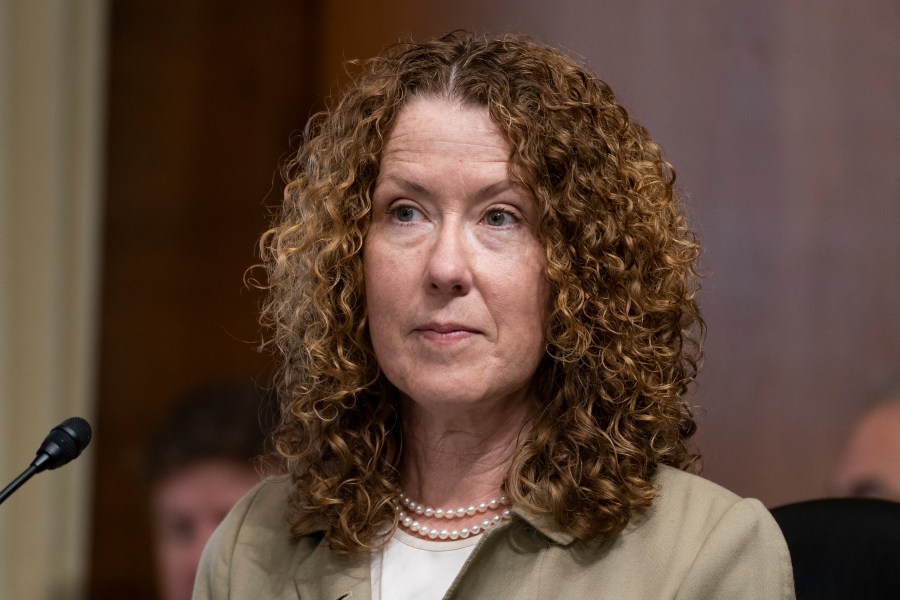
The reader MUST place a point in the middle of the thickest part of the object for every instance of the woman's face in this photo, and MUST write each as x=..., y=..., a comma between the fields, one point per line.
x=455, y=276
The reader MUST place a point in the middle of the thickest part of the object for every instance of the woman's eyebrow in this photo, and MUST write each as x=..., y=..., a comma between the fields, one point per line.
x=404, y=184
x=409, y=185
x=494, y=189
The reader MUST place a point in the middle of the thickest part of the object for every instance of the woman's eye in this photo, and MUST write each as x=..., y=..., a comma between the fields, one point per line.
x=406, y=214
x=500, y=218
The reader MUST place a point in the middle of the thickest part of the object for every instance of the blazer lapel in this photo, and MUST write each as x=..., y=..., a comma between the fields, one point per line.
x=324, y=575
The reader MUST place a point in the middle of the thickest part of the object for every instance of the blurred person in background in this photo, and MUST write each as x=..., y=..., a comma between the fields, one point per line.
x=870, y=463
x=197, y=464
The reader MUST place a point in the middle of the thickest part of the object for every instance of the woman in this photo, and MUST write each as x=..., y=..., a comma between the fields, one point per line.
x=481, y=288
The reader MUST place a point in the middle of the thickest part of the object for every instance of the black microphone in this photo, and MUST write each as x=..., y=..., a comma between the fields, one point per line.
x=65, y=442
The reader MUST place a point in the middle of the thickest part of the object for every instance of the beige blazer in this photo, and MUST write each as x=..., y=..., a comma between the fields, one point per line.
x=697, y=541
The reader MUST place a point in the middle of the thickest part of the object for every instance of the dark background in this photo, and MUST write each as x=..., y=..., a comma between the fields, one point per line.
x=203, y=99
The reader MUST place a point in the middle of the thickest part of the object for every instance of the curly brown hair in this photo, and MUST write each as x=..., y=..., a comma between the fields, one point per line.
x=624, y=336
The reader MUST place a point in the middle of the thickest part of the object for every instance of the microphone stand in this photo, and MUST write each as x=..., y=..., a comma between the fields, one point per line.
x=17, y=482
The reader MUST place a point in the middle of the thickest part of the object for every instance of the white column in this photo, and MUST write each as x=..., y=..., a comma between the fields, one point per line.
x=52, y=55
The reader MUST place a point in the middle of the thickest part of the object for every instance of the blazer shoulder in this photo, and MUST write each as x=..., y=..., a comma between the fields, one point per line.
x=680, y=486
x=689, y=508
x=253, y=551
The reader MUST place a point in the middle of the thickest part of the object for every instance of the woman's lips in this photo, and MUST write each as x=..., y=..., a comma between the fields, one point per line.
x=446, y=332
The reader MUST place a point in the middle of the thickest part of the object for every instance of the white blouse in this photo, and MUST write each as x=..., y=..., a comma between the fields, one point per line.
x=409, y=567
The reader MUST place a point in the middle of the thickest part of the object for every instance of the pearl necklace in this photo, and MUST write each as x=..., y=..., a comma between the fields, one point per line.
x=409, y=521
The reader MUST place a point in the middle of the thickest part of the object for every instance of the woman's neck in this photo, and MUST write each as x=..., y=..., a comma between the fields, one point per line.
x=455, y=458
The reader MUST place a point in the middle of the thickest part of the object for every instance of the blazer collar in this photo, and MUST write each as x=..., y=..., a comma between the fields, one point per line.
x=329, y=576
x=545, y=525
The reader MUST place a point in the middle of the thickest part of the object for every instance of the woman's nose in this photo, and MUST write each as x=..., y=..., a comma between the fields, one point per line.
x=449, y=264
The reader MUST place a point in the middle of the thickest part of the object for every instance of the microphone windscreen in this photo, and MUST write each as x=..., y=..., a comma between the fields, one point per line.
x=79, y=429
x=64, y=443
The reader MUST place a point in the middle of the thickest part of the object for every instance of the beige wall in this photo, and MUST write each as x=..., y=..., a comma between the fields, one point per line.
x=51, y=110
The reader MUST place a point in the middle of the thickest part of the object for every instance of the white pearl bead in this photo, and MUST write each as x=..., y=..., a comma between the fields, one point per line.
x=407, y=520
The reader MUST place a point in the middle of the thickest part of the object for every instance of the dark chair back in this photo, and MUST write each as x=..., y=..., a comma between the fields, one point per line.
x=843, y=548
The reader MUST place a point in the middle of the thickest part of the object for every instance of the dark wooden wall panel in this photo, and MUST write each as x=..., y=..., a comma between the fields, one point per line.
x=203, y=98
